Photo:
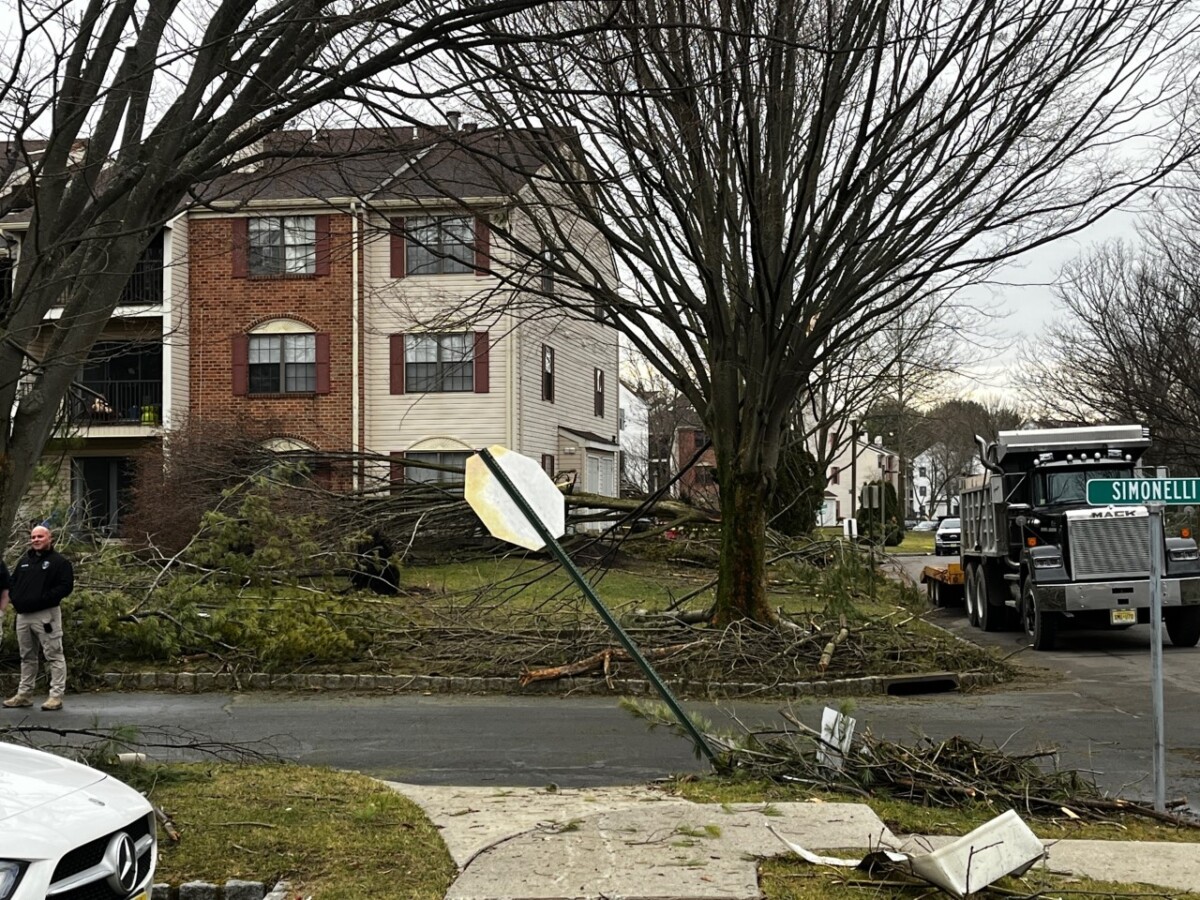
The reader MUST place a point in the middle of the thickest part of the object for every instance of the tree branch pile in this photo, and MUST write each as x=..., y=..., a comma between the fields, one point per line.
x=949, y=773
x=742, y=652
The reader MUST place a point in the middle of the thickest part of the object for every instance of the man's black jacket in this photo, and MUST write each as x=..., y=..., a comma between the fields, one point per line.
x=40, y=580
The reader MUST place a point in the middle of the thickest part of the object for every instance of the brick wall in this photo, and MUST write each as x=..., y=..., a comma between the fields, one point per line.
x=223, y=306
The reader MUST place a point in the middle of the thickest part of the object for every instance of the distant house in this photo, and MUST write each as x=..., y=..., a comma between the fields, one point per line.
x=857, y=464
x=633, y=417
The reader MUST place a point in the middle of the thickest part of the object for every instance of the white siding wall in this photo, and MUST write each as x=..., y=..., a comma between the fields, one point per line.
x=580, y=347
x=512, y=412
x=450, y=303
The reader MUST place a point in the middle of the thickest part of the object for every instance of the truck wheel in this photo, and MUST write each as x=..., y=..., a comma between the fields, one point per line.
x=990, y=617
x=970, y=597
x=1041, y=626
x=935, y=594
x=1183, y=625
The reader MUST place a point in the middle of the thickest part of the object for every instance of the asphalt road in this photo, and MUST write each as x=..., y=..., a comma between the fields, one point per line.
x=1108, y=672
x=1090, y=699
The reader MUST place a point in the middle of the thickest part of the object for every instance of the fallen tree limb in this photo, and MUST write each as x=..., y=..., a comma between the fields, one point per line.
x=827, y=655
x=599, y=662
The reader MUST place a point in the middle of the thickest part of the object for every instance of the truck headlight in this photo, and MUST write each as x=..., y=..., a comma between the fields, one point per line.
x=1047, y=562
x=10, y=875
x=1183, y=554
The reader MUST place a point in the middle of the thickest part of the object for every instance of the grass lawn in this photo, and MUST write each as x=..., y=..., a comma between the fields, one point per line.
x=333, y=835
x=342, y=836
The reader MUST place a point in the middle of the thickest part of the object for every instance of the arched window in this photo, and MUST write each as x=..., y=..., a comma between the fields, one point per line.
x=281, y=356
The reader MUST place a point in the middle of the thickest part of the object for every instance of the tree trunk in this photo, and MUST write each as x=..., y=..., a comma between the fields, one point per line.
x=742, y=583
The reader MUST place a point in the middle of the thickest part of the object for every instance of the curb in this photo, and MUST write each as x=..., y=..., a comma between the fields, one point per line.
x=205, y=682
x=234, y=889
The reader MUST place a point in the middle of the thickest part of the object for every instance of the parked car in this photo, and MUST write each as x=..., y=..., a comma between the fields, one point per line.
x=928, y=525
x=68, y=830
x=948, y=538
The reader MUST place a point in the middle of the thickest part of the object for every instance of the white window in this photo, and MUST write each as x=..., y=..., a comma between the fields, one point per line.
x=283, y=363
x=283, y=245
x=439, y=362
x=435, y=476
x=440, y=246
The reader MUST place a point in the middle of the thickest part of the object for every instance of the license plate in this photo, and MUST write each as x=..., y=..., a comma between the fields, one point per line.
x=1124, y=616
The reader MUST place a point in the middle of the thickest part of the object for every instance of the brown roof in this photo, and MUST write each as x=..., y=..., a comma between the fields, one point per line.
x=383, y=164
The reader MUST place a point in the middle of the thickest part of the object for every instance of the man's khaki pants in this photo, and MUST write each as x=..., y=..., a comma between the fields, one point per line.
x=41, y=629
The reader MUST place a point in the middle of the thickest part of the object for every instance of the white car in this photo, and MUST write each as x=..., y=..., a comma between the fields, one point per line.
x=70, y=832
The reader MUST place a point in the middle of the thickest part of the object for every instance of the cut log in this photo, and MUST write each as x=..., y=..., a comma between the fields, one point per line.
x=601, y=661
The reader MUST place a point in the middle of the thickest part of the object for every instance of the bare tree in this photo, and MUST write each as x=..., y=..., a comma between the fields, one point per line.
x=946, y=433
x=112, y=112
x=1125, y=349
x=885, y=384
x=777, y=178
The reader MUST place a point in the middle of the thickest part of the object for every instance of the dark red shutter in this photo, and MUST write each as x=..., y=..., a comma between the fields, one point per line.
x=239, y=248
x=483, y=246
x=322, y=363
x=397, y=473
x=323, y=248
x=241, y=364
x=482, y=385
x=396, y=362
x=398, y=249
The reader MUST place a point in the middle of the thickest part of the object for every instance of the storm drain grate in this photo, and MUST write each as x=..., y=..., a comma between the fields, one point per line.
x=912, y=685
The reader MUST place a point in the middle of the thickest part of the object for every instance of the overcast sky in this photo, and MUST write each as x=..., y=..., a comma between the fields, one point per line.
x=1022, y=294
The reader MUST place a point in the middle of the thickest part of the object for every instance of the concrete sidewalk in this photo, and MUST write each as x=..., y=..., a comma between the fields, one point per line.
x=639, y=844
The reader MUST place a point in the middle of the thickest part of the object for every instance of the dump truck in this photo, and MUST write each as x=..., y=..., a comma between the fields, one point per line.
x=1035, y=555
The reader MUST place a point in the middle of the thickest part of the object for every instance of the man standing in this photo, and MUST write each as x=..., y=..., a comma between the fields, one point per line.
x=39, y=581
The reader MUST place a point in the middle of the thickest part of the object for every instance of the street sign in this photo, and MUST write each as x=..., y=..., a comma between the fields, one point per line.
x=1121, y=491
x=497, y=509
x=520, y=504
x=1155, y=494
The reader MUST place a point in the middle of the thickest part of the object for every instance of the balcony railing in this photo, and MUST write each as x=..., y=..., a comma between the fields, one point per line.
x=117, y=403
x=145, y=285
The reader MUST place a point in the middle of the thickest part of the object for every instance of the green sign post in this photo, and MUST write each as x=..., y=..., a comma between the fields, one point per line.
x=1155, y=494
x=1124, y=491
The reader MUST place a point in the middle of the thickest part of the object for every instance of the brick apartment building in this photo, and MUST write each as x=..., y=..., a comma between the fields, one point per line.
x=354, y=298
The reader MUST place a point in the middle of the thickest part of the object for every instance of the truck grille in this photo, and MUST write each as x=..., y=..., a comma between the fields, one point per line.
x=1110, y=548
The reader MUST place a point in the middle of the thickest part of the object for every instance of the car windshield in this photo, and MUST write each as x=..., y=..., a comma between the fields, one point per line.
x=1071, y=487
x=949, y=525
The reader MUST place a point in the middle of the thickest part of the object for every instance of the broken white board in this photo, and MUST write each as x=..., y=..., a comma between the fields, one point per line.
x=1003, y=846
